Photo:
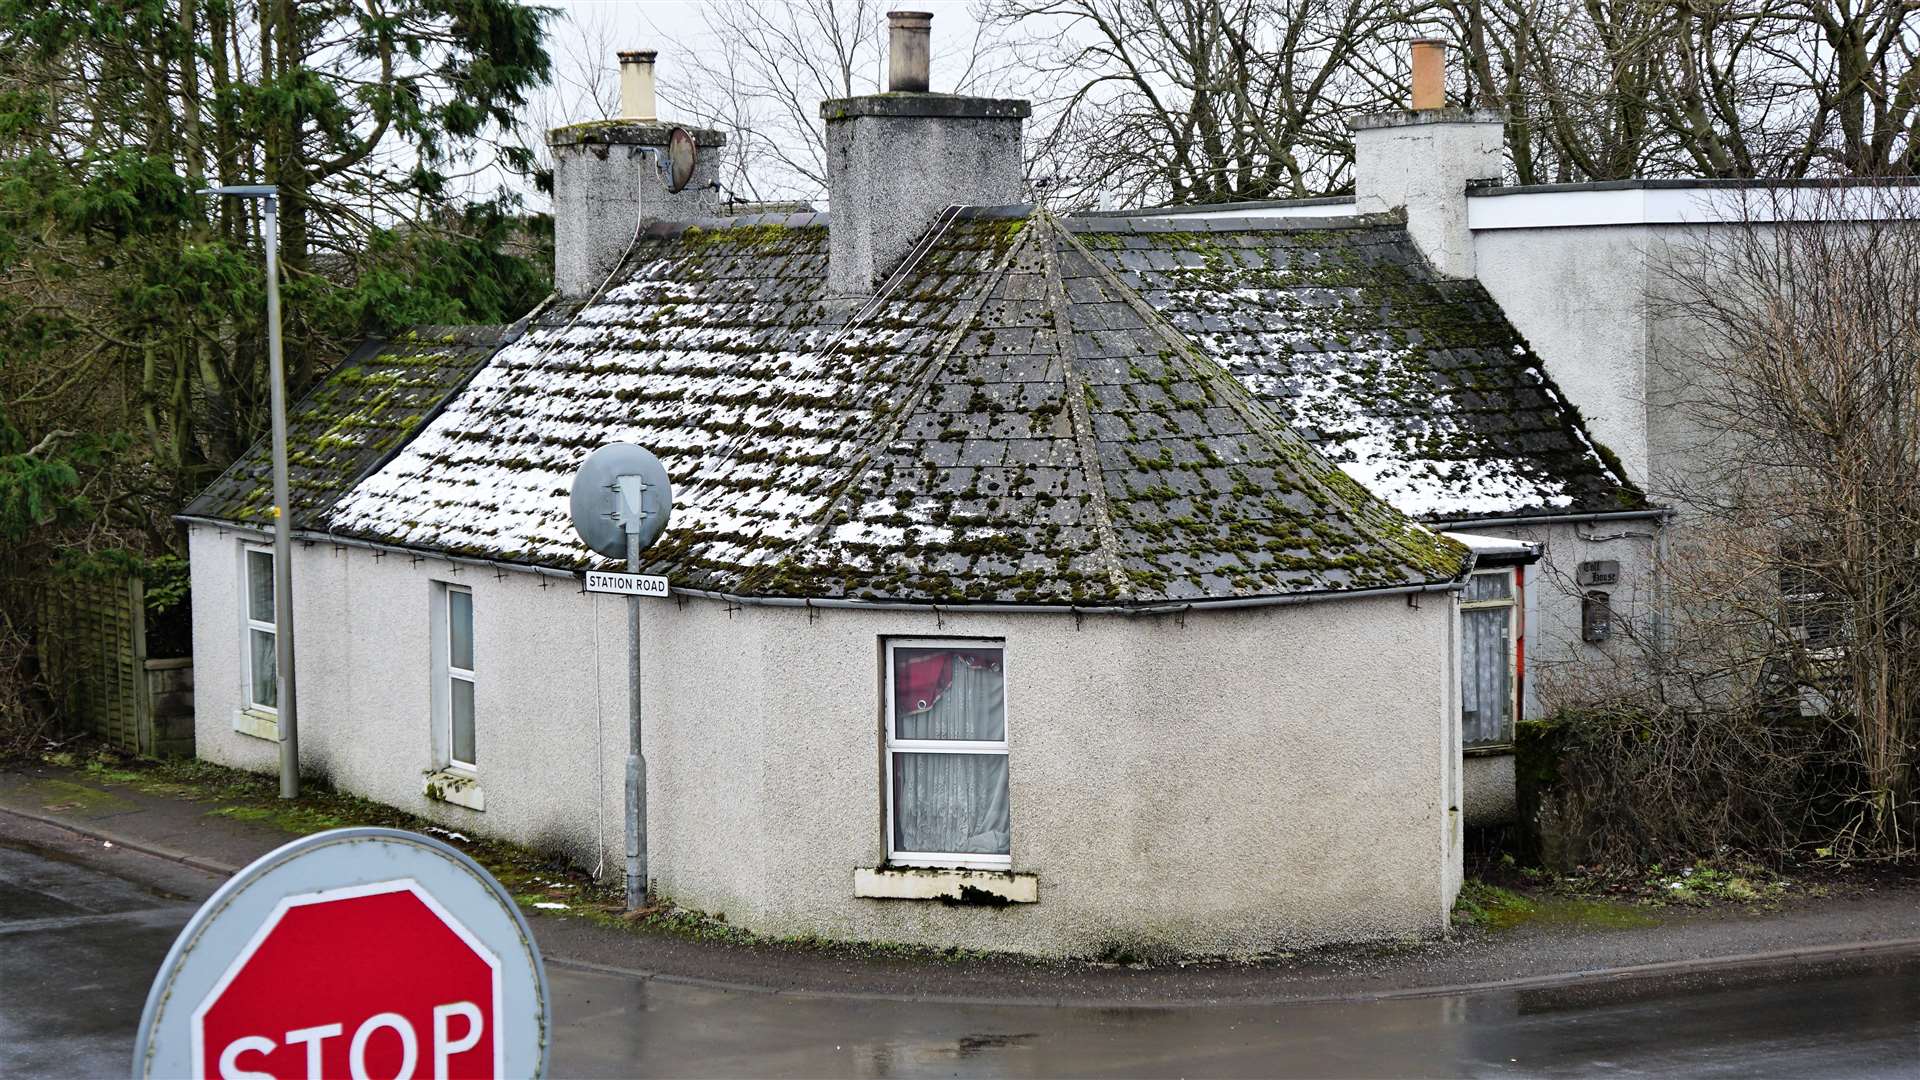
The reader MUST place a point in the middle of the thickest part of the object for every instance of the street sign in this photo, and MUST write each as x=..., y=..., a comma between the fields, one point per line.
x=621, y=495
x=620, y=502
x=356, y=952
x=626, y=584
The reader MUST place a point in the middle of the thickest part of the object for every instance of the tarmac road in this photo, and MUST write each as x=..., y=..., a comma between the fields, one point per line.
x=82, y=929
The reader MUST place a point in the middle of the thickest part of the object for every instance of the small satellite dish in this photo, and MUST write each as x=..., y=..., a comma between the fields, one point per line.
x=682, y=152
x=598, y=510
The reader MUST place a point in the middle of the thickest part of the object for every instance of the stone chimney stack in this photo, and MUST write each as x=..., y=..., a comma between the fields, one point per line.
x=896, y=160
x=608, y=182
x=1422, y=161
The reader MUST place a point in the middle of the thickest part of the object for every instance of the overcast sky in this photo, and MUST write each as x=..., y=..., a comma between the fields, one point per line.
x=659, y=24
x=584, y=36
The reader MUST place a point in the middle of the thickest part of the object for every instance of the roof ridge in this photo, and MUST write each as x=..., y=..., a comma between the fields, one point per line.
x=1248, y=222
x=433, y=413
x=1237, y=394
x=1175, y=209
x=319, y=485
x=1078, y=415
x=246, y=462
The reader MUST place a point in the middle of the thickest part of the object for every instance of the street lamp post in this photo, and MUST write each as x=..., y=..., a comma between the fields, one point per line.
x=285, y=700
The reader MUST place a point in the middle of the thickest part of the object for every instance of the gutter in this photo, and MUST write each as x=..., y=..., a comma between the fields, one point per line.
x=1172, y=607
x=313, y=536
x=1660, y=514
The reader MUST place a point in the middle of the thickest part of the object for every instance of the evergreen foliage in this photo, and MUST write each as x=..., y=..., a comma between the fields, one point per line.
x=132, y=337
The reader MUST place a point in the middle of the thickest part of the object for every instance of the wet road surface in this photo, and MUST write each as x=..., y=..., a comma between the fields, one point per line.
x=78, y=948
x=83, y=929
x=1864, y=1023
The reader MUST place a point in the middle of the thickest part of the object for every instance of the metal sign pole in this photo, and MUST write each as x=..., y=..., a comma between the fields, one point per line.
x=620, y=503
x=631, y=501
x=288, y=701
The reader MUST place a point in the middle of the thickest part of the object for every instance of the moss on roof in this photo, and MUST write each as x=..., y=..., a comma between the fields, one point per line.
x=1416, y=385
x=1109, y=412
x=1006, y=425
x=354, y=419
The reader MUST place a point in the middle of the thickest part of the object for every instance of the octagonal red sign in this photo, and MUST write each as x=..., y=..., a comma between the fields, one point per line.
x=357, y=953
x=370, y=981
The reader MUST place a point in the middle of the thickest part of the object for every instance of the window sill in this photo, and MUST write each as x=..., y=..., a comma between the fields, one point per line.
x=457, y=787
x=1488, y=750
x=259, y=725
x=990, y=888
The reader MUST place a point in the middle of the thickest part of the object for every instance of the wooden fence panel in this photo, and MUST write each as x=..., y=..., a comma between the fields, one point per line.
x=93, y=654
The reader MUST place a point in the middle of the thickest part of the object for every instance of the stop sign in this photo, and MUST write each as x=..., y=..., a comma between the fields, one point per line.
x=389, y=982
x=363, y=953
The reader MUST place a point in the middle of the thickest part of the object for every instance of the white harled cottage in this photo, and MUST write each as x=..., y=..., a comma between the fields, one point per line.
x=1042, y=583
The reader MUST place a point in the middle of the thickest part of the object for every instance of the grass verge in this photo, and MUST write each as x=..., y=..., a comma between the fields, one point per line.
x=543, y=884
x=1491, y=907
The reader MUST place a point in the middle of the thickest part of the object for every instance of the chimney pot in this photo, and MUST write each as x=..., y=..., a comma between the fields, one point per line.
x=907, y=50
x=636, y=86
x=1429, y=73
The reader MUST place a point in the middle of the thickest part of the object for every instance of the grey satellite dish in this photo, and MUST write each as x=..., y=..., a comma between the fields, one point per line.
x=602, y=498
x=682, y=152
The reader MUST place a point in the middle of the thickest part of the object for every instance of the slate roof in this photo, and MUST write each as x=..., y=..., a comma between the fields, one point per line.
x=361, y=413
x=1416, y=386
x=1007, y=423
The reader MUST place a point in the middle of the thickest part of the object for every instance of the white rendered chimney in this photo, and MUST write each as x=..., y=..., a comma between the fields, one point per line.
x=1423, y=159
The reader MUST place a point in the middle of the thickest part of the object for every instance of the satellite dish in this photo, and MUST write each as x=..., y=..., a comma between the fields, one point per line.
x=682, y=152
x=598, y=508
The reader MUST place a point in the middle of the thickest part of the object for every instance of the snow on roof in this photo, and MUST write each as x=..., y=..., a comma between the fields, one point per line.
x=1483, y=545
x=1010, y=423
x=1415, y=385
x=362, y=413
x=1106, y=410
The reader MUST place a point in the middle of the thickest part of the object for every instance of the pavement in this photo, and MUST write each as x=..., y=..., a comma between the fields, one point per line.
x=97, y=878
x=1549, y=954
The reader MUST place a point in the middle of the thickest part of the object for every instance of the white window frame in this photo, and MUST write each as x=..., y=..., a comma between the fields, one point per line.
x=1512, y=603
x=446, y=674
x=945, y=859
x=249, y=624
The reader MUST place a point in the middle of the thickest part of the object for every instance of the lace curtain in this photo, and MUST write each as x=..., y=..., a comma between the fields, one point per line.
x=1486, y=675
x=950, y=802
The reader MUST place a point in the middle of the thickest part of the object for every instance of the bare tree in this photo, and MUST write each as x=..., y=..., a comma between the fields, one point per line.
x=1572, y=78
x=585, y=86
x=760, y=71
x=1605, y=89
x=1806, y=323
x=1205, y=100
